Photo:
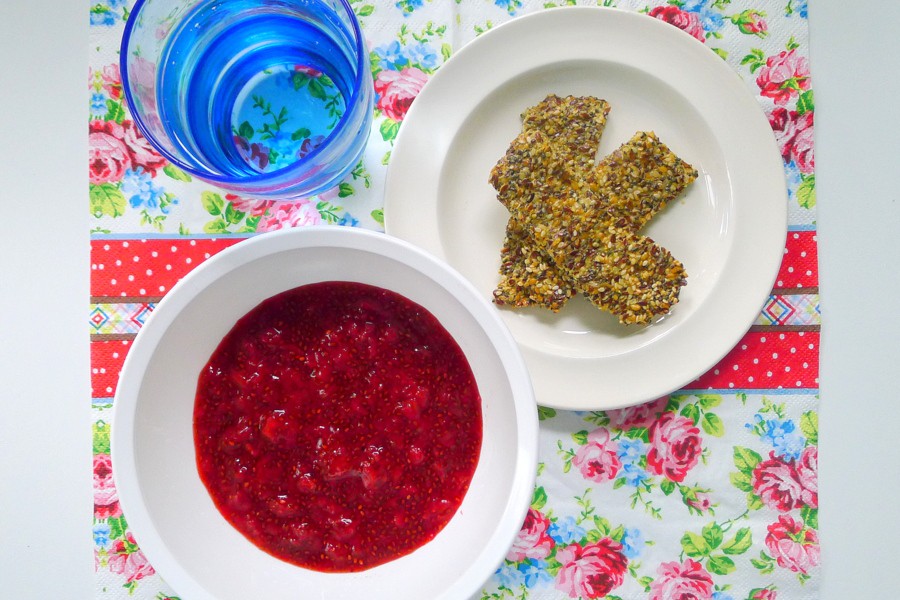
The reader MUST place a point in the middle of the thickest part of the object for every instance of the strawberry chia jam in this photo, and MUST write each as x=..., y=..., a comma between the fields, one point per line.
x=337, y=426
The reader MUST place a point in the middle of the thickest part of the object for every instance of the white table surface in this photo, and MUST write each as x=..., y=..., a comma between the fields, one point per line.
x=45, y=475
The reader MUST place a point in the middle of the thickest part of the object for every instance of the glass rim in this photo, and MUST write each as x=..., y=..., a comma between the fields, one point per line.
x=362, y=64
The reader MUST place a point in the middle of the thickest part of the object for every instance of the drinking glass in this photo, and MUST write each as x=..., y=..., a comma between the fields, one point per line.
x=266, y=98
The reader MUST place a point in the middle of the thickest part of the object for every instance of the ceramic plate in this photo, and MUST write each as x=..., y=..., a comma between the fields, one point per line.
x=728, y=229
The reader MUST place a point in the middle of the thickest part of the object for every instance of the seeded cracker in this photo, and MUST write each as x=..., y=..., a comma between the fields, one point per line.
x=527, y=276
x=640, y=178
x=592, y=244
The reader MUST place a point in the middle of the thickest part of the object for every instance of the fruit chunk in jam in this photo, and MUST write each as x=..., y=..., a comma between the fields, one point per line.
x=337, y=426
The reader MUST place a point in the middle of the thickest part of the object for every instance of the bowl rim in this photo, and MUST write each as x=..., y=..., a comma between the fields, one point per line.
x=122, y=447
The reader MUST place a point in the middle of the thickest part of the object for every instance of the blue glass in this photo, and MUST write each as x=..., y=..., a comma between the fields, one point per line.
x=266, y=98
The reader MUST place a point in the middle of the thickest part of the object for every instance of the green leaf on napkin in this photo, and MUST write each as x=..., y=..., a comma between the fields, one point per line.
x=713, y=534
x=806, y=192
x=809, y=425
x=539, y=499
x=212, y=203
x=345, y=190
x=746, y=459
x=740, y=543
x=713, y=425
x=805, y=102
x=246, y=130
x=709, y=400
x=692, y=412
x=389, y=129
x=107, y=199
x=720, y=564
x=694, y=545
x=176, y=173
x=544, y=412
x=741, y=481
x=114, y=111
x=101, y=437
x=233, y=215
x=810, y=517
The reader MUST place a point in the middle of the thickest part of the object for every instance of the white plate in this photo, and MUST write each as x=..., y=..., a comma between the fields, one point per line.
x=728, y=229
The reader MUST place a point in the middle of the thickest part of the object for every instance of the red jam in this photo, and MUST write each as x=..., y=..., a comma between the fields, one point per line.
x=337, y=426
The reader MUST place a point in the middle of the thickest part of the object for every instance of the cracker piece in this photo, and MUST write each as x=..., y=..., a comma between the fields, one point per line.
x=575, y=125
x=597, y=251
x=528, y=276
x=639, y=178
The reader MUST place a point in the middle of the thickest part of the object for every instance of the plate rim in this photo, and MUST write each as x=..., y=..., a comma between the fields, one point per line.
x=767, y=257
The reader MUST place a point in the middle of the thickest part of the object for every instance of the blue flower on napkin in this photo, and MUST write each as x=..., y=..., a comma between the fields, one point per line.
x=511, y=6
x=509, y=575
x=101, y=535
x=103, y=13
x=348, y=220
x=781, y=434
x=630, y=451
x=139, y=189
x=98, y=105
x=408, y=6
x=391, y=56
x=422, y=55
x=711, y=20
x=798, y=7
x=534, y=572
x=565, y=531
x=395, y=57
x=633, y=543
x=634, y=475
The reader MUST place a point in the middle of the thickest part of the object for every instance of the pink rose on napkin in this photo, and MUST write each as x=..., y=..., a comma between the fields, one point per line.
x=109, y=156
x=255, y=208
x=699, y=501
x=142, y=76
x=106, y=498
x=108, y=79
x=592, y=571
x=641, y=415
x=142, y=153
x=126, y=559
x=675, y=446
x=300, y=213
x=112, y=81
x=763, y=594
x=751, y=22
x=792, y=545
x=597, y=460
x=777, y=484
x=784, y=75
x=682, y=19
x=808, y=476
x=397, y=90
x=533, y=540
x=794, y=133
x=689, y=580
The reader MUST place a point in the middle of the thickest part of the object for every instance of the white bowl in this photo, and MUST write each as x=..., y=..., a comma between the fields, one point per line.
x=167, y=506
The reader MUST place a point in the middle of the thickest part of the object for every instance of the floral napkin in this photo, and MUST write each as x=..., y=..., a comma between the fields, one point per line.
x=709, y=493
